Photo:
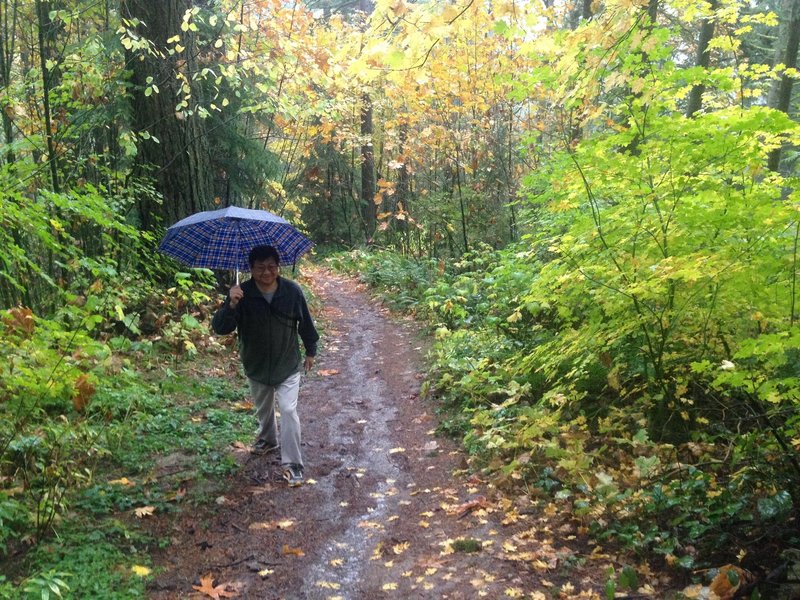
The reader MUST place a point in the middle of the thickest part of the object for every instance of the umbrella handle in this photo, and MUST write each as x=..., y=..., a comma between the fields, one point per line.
x=237, y=276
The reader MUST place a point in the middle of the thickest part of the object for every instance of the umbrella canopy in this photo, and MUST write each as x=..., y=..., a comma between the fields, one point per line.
x=222, y=239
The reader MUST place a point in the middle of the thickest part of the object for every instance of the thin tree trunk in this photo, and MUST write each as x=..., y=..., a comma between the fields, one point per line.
x=703, y=60
x=367, y=169
x=780, y=94
x=45, y=33
x=8, y=28
x=367, y=154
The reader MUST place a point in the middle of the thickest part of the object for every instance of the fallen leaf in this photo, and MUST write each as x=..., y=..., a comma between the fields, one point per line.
x=389, y=586
x=144, y=511
x=140, y=570
x=122, y=481
x=729, y=579
x=328, y=372
x=464, y=509
x=285, y=525
x=401, y=547
x=694, y=592
x=286, y=550
x=207, y=587
x=396, y=450
x=328, y=585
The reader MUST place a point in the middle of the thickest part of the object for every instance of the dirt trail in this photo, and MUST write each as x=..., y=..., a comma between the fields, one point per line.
x=385, y=496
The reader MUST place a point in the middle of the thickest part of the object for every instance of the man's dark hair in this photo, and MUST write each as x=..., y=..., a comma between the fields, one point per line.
x=263, y=253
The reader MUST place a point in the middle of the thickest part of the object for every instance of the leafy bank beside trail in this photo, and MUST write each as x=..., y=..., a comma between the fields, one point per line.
x=542, y=402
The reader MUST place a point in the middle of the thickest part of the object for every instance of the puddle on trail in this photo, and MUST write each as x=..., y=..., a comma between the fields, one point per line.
x=348, y=554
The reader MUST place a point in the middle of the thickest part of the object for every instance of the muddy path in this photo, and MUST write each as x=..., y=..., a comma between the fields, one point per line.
x=389, y=509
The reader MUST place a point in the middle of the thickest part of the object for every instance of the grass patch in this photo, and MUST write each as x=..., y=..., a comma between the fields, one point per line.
x=159, y=440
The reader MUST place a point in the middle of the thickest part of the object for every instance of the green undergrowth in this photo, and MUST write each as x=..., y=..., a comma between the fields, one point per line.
x=160, y=441
x=111, y=415
x=553, y=411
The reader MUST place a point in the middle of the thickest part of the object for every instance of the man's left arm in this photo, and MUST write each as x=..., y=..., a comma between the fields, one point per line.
x=308, y=333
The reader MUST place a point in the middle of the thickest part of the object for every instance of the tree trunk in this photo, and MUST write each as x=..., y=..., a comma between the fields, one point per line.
x=403, y=193
x=46, y=34
x=8, y=28
x=180, y=159
x=367, y=155
x=367, y=169
x=780, y=94
x=703, y=60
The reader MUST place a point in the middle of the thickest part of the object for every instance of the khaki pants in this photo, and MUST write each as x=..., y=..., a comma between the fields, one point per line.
x=264, y=399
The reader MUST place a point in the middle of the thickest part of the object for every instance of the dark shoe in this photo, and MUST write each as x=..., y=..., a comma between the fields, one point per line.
x=262, y=447
x=293, y=474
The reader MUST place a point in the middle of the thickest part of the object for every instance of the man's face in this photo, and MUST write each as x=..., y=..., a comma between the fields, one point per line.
x=265, y=272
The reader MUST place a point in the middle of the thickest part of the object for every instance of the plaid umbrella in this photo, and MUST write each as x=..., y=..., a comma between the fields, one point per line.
x=222, y=239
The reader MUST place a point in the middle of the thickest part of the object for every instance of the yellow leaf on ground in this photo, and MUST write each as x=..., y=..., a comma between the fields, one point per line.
x=328, y=585
x=140, y=570
x=401, y=547
x=144, y=511
x=389, y=586
x=286, y=550
x=121, y=481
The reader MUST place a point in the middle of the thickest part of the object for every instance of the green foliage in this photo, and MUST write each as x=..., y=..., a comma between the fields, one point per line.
x=61, y=465
x=553, y=387
x=93, y=560
x=47, y=584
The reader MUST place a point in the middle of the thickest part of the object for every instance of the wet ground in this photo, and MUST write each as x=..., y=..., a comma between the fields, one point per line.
x=389, y=509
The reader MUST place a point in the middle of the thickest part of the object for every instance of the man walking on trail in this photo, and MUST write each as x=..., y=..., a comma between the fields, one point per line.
x=269, y=312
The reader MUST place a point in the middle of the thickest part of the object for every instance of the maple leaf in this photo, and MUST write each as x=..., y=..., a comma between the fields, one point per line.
x=140, y=570
x=207, y=587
